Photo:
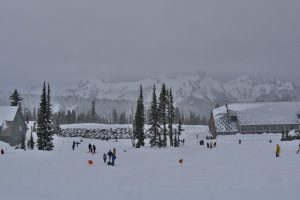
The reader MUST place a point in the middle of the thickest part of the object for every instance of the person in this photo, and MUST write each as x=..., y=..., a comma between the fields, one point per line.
x=270, y=141
x=90, y=148
x=277, y=153
x=298, y=149
x=183, y=142
x=113, y=158
x=2, y=151
x=73, y=145
x=114, y=151
x=210, y=145
x=94, y=149
x=197, y=136
x=104, y=158
x=109, y=154
x=215, y=144
x=77, y=143
x=240, y=141
x=207, y=144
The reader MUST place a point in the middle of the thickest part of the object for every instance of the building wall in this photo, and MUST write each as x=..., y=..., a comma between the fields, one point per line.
x=15, y=132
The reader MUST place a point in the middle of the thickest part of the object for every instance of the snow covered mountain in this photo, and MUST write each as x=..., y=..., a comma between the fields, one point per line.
x=197, y=93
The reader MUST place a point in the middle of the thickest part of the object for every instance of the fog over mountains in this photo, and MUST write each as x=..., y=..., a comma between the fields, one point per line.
x=198, y=93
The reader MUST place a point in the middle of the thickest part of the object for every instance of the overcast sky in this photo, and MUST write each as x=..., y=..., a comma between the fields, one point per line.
x=64, y=41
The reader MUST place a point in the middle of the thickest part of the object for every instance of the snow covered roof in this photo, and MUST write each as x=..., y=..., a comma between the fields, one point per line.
x=7, y=113
x=260, y=113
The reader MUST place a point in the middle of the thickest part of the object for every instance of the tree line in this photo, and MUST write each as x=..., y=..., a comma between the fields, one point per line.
x=162, y=118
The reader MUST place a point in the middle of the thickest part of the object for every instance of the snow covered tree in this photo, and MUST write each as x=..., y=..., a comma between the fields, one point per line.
x=139, y=121
x=163, y=111
x=16, y=99
x=30, y=143
x=93, y=114
x=179, y=130
x=154, y=133
x=171, y=116
x=44, y=123
x=114, y=117
x=49, y=135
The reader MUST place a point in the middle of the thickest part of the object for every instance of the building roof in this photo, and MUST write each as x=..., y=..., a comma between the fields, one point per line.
x=7, y=113
x=259, y=113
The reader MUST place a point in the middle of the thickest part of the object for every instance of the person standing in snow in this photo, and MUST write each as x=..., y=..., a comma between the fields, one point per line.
x=2, y=151
x=298, y=149
x=278, y=149
x=94, y=149
x=104, y=157
x=113, y=157
x=110, y=154
x=90, y=148
x=73, y=145
x=114, y=151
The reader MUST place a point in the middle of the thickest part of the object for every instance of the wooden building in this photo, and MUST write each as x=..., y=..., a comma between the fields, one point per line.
x=12, y=125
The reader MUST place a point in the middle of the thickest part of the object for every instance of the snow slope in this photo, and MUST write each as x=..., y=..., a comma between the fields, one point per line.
x=230, y=171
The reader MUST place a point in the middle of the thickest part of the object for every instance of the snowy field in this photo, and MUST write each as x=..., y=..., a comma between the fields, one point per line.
x=230, y=171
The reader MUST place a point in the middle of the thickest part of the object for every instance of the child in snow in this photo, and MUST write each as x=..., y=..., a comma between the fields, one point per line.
x=277, y=153
x=104, y=158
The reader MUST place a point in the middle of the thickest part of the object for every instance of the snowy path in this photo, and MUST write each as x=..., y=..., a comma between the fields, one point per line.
x=230, y=171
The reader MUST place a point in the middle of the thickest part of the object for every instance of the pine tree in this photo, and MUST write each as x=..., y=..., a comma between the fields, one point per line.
x=16, y=99
x=162, y=111
x=42, y=121
x=93, y=114
x=30, y=143
x=154, y=133
x=140, y=120
x=171, y=116
x=179, y=130
x=49, y=135
x=44, y=124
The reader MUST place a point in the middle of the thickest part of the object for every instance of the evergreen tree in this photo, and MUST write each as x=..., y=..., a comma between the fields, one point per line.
x=171, y=116
x=30, y=143
x=114, y=117
x=42, y=121
x=49, y=119
x=162, y=111
x=16, y=99
x=154, y=133
x=44, y=124
x=93, y=114
x=140, y=120
x=179, y=130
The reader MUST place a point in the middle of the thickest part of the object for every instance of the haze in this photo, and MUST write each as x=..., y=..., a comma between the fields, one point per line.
x=63, y=41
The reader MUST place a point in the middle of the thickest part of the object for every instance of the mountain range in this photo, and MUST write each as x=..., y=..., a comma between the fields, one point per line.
x=198, y=93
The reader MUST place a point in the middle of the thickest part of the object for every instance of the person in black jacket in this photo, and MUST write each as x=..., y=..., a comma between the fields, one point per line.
x=110, y=154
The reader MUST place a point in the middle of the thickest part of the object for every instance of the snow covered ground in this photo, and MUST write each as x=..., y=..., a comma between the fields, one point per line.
x=229, y=171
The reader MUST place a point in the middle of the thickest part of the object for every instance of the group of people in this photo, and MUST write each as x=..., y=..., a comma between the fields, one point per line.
x=111, y=157
x=75, y=143
x=92, y=148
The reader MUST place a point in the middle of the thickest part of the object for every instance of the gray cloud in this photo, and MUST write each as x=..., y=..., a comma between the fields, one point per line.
x=70, y=40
